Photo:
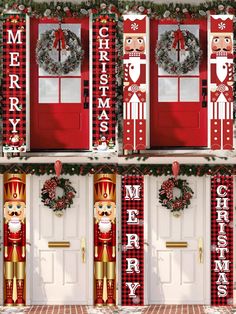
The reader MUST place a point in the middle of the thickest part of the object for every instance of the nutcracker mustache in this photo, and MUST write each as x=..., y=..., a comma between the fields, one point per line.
x=104, y=225
x=14, y=225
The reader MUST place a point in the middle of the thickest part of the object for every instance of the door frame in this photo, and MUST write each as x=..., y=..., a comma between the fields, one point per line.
x=88, y=180
x=90, y=114
x=1, y=243
x=207, y=243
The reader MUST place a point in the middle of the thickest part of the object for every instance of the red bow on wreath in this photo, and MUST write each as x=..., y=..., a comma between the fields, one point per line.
x=59, y=36
x=178, y=37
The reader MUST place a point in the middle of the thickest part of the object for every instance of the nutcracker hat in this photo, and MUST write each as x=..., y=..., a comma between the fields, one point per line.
x=222, y=24
x=14, y=187
x=104, y=187
x=134, y=24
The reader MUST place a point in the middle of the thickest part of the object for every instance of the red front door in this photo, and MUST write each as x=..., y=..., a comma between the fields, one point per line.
x=59, y=105
x=178, y=102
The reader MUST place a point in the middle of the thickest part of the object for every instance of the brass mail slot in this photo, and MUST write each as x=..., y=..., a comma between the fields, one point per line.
x=176, y=244
x=59, y=244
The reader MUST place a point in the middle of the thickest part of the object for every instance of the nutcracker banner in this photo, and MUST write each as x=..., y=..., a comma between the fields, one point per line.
x=14, y=239
x=135, y=81
x=105, y=239
x=132, y=240
x=104, y=82
x=14, y=84
x=222, y=240
x=221, y=81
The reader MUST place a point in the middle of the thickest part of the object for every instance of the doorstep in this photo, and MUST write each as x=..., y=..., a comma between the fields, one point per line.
x=151, y=309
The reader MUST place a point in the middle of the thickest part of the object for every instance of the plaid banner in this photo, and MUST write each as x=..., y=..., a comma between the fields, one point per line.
x=14, y=84
x=222, y=240
x=135, y=81
x=132, y=240
x=104, y=82
x=221, y=81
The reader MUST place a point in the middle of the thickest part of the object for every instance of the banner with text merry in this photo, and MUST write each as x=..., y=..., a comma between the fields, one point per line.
x=132, y=240
x=13, y=88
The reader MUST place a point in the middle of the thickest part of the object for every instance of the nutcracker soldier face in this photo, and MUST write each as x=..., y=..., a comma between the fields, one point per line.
x=134, y=36
x=134, y=43
x=221, y=36
x=104, y=206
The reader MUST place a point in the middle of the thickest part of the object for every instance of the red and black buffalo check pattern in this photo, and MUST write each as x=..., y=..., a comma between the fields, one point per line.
x=133, y=253
x=215, y=228
x=14, y=23
x=100, y=21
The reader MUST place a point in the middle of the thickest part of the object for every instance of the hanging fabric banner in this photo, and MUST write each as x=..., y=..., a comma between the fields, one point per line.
x=135, y=81
x=14, y=239
x=104, y=82
x=105, y=239
x=14, y=84
x=221, y=81
x=132, y=240
x=222, y=240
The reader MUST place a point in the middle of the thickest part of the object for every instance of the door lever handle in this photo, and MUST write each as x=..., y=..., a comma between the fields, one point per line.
x=200, y=250
x=83, y=250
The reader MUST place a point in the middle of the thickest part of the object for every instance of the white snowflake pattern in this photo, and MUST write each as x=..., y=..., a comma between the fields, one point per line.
x=221, y=25
x=134, y=26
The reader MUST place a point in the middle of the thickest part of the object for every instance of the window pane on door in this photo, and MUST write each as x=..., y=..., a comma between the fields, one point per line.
x=189, y=89
x=167, y=89
x=48, y=90
x=71, y=90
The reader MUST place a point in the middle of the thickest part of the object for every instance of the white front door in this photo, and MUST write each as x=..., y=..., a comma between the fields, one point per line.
x=176, y=275
x=59, y=275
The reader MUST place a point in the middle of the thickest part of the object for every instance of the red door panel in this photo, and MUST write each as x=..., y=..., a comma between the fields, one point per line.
x=178, y=112
x=62, y=121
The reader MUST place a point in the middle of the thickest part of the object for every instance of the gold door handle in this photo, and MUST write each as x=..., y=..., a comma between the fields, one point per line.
x=83, y=250
x=200, y=250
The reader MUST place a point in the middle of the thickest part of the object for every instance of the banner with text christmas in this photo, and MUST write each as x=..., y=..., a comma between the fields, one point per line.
x=222, y=240
x=221, y=81
x=104, y=82
x=132, y=240
x=14, y=84
x=135, y=81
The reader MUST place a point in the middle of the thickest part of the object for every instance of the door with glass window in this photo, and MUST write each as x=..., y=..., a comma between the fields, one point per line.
x=178, y=102
x=59, y=104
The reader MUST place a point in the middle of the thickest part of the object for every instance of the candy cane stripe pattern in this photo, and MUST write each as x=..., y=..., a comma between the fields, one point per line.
x=221, y=81
x=135, y=67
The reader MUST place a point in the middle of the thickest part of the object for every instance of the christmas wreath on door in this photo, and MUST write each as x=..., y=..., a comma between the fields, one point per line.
x=50, y=198
x=67, y=43
x=175, y=195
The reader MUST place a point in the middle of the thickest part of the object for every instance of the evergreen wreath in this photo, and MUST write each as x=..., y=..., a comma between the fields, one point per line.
x=60, y=203
x=167, y=199
x=164, y=45
x=45, y=46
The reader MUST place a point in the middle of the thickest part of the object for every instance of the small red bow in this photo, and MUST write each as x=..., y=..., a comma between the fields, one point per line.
x=178, y=37
x=59, y=36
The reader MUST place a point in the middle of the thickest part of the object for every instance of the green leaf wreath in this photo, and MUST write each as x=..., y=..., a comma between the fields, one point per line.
x=164, y=46
x=51, y=66
x=175, y=204
x=57, y=203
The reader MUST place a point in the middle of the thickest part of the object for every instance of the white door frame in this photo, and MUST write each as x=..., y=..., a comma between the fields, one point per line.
x=207, y=242
x=29, y=237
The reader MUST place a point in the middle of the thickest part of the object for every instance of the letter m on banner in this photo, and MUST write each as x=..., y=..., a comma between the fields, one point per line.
x=13, y=88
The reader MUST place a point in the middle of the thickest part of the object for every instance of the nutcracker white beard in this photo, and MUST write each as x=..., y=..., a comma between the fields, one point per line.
x=104, y=225
x=14, y=225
